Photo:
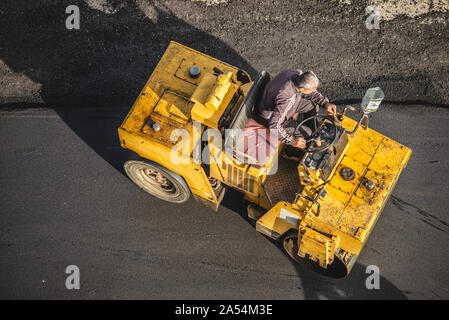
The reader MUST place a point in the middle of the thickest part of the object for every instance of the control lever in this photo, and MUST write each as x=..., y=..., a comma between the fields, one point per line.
x=342, y=115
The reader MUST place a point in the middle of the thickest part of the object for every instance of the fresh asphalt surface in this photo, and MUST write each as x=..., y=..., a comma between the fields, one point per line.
x=65, y=200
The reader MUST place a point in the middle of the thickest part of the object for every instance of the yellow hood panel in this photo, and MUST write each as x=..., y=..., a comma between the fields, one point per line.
x=349, y=205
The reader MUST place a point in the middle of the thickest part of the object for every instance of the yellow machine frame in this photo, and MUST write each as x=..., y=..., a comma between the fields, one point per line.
x=331, y=218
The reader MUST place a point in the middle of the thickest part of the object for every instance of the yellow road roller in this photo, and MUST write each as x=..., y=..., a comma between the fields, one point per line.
x=185, y=128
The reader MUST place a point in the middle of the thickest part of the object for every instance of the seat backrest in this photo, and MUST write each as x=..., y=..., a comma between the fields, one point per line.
x=246, y=108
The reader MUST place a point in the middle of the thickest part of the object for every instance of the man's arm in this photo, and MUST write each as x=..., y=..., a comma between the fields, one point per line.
x=322, y=101
x=318, y=98
x=278, y=117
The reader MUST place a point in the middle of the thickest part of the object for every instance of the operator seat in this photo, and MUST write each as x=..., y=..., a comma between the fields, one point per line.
x=243, y=115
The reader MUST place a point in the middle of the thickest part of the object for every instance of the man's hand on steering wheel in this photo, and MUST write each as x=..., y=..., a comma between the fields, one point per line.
x=331, y=108
x=299, y=143
x=316, y=138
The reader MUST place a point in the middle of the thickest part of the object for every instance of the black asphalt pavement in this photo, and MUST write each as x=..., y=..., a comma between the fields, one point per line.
x=65, y=200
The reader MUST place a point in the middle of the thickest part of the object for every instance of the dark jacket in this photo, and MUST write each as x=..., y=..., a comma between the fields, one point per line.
x=281, y=101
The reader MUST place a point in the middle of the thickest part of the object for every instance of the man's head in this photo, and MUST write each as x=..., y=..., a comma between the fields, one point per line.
x=306, y=82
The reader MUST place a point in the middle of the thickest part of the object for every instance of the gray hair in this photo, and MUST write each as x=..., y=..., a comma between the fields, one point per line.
x=307, y=80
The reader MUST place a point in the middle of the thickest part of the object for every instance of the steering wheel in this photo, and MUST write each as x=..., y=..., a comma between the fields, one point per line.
x=324, y=135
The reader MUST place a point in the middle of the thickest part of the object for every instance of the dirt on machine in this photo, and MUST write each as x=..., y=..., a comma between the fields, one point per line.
x=321, y=206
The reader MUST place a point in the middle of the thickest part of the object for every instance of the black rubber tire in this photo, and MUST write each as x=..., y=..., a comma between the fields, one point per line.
x=148, y=174
x=336, y=270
